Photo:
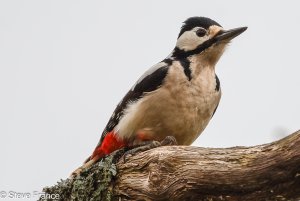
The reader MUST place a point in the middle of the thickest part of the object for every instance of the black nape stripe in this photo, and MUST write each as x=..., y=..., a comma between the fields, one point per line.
x=217, y=83
x=186, y=68
x=168, y=61
x=179, y=54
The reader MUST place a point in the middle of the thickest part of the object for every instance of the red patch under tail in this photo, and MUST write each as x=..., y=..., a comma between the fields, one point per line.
x=110, y=143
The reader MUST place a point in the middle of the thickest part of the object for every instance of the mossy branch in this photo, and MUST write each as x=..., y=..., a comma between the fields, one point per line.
x=264, y=172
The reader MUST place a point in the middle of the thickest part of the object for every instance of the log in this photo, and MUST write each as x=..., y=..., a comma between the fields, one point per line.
x=263, y=172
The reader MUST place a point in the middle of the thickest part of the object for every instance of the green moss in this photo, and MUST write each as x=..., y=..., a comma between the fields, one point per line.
x=94, y=183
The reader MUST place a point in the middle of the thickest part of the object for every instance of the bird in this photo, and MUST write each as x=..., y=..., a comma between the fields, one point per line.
x=175, y=98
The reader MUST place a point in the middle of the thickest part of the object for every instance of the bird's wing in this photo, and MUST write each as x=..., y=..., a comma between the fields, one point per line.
x=149, y=81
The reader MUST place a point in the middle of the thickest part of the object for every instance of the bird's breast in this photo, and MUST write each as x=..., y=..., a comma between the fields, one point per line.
x=180, y=108
x=191, y=105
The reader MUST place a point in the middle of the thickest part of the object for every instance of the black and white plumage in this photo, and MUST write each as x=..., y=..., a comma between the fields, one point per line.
x=177, y=97
x=152, y=79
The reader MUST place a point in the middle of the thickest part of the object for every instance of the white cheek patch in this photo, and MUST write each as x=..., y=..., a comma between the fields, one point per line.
x=190, y=41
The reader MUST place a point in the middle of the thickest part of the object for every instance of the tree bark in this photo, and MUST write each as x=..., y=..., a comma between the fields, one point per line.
x=264, y=172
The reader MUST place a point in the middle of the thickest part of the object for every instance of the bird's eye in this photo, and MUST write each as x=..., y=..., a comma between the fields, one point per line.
x=201, y=32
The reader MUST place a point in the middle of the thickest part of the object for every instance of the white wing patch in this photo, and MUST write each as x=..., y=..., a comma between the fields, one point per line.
x=149, y=72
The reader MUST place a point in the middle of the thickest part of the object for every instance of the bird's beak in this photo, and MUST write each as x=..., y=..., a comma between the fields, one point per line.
x=224, y=35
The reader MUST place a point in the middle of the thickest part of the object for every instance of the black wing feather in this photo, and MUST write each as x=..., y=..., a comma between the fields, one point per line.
x=149, y=83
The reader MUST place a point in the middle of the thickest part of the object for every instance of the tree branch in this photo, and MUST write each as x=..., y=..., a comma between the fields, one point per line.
x=263, y=172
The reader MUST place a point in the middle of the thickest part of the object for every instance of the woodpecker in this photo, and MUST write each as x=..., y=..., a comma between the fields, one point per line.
x=176, y=97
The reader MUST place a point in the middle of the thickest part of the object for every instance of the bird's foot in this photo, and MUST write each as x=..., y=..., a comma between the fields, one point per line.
x=169, y=141
x=147, y=145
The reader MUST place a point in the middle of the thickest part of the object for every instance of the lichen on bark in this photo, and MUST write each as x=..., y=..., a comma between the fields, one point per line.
x=94, y=183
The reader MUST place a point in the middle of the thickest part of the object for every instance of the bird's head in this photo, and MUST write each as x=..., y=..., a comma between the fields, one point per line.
x=201, y=35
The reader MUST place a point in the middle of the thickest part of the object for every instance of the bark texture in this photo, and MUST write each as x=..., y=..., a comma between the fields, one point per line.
x=263, y=172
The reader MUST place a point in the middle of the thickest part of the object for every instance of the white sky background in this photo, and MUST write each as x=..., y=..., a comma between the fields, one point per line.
x=65, y=65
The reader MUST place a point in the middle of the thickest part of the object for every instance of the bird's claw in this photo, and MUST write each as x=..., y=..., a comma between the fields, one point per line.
x=169, y=140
